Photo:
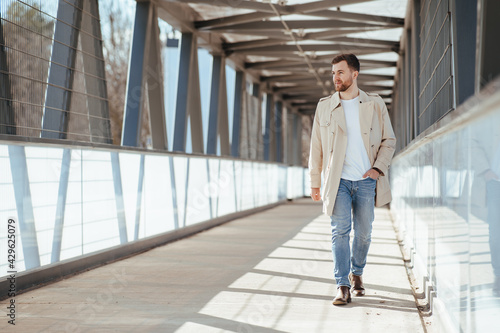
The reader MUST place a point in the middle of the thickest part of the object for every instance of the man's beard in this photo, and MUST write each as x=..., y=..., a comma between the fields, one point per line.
x=344, y=86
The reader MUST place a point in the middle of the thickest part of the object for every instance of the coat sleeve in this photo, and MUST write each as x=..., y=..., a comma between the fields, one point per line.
x=387, y=144
x=315, y=153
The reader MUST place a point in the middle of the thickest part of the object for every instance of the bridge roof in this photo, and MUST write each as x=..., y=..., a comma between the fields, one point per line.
x=289, y=45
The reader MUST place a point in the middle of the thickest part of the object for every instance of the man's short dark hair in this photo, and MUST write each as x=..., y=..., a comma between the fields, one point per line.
x=351, y=59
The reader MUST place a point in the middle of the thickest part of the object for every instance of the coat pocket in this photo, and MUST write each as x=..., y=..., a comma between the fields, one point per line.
x=382, y=192
x=326, y=120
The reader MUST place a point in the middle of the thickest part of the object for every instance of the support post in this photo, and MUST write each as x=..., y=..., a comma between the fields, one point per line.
x=258, y=140
x=415, y=51
x=24, y=205
x=139, y=198
x=278, y=124
x=188, y=105
x=464, y=22
x=268, y=130
x=93, y=63
x=61, y=206
x=214, y=105
x=55, y=118
x=239, y=90
x=218, y=120
x=120, y=204
x=291, y=138
x=145, y=77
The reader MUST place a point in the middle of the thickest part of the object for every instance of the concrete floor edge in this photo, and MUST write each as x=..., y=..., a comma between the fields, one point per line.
x=423, y=303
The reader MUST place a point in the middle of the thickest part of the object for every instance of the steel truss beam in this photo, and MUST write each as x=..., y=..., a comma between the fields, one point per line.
x=335, y=41
x=56, y=115
x=306, y=76
x=239, y=91
x=269, y=129
x=285, y=49
x=266, y=8
x=61, y=75
x=61, y=206
x=24, y=205
x=145, y=83
x=337, y=15
x=218, y=121
x=300, y=24
x=278, y=126
x=277, y=64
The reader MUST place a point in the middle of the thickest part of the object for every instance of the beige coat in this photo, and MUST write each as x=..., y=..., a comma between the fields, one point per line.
x=329, y=143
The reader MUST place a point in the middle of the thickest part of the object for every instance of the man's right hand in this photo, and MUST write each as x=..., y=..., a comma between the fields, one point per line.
x=315, y=194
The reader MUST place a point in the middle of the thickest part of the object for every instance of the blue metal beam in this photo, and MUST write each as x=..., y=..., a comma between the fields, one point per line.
x=93, y=63
x=174, y=192
x=238, y=97
x=132, y=117
x=415, y=40
x=296, y=139
x=256, y=89
x=214, y=105
x=120, y=204
x=61, y=206
x=236, y=207
x=181, y=110
x=156, y=97
x=278, y=124
x=24, y=205
x=139, y=198
x=186, y=194
x=257, y=140
x=223, y=122
x=145, y=83
x=464, y=23
x=267, y=130
x=218, y=191
x=61, y=74
x=210, y=204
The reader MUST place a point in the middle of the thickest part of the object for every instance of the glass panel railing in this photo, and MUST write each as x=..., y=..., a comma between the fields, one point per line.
x=70, y=201
x=446, y=199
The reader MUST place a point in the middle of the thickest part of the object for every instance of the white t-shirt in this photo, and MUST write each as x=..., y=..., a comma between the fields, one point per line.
x=356, y=161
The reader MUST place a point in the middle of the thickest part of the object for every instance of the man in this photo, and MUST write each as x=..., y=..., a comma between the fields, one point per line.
x=352, y=143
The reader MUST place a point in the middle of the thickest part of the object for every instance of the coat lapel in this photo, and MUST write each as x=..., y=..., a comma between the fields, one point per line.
x=365, y=115
x=338, y=115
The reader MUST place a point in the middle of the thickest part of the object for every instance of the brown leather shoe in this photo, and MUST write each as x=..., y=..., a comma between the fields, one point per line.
x=357, y=288
x=343, y=296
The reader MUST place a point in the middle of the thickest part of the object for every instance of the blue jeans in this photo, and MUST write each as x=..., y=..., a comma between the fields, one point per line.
x=358, y=196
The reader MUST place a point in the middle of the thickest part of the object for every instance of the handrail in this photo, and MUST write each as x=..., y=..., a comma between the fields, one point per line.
x=20, y=140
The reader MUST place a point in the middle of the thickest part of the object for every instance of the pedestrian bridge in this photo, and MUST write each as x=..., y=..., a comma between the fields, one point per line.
x=152, y=160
